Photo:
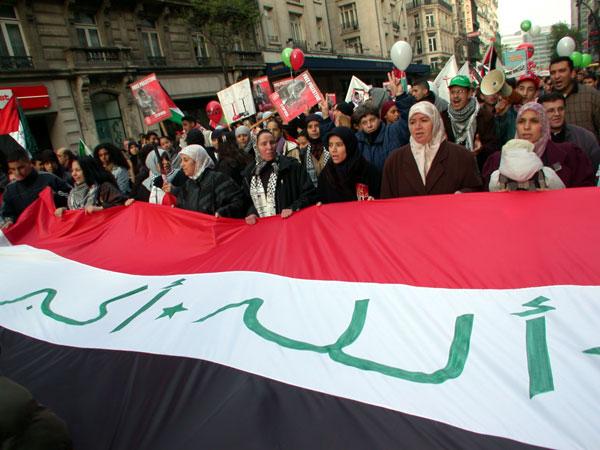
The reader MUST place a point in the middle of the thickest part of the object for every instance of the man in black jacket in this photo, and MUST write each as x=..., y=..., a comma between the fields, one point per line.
x=27, y=185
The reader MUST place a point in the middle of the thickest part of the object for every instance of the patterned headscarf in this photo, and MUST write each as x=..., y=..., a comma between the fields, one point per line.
x=199, y=155
x=539, y=146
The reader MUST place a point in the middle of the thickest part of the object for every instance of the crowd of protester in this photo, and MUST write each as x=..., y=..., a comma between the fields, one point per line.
x=402, y=144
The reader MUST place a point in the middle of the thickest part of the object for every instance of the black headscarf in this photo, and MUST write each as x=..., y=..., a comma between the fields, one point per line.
x=345, y=175
x=316, y=145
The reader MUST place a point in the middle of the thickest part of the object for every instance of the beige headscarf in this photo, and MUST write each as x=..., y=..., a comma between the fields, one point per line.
x=200, y=156
x=425, y=153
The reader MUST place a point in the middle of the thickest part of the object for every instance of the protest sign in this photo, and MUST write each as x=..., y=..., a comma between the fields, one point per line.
x=152, y=99
x=237, y=101
x=515, y=63
x=261, y=88
x=358, y=91
x=296, y=97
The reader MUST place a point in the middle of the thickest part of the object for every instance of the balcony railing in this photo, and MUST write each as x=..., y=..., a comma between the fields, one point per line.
x=157, y=61
x=349, y=27
x=16, y=62
x=247, y=57
x=100, y=57
x=418, y=3
x=299, y=44
x=205, y=61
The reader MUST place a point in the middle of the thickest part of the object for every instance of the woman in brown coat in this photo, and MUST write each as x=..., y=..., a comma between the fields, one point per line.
x=429, y=164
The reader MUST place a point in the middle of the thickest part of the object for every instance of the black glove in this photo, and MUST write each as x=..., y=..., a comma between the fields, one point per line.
x=158, y=182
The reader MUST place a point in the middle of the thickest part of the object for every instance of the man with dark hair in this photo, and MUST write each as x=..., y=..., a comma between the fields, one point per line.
x=582, y=103
x=561, y=131
x=421, y=91
x=28, y=184
x=468, y=124
x=152, y=138
x=590, y=79
x=188, y=122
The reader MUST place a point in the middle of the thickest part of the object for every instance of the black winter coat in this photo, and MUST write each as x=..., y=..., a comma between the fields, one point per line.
x=328, y=192
x=213, y=192
x=294, y=189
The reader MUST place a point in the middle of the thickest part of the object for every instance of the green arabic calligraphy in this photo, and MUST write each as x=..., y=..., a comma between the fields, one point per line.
x=49, y=295
x=538, y=357
x=457, y=357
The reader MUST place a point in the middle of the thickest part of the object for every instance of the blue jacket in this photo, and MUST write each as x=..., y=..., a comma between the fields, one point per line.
x=390, y=138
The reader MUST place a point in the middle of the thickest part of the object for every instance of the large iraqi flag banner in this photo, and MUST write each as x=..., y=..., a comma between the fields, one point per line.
x=465, y=321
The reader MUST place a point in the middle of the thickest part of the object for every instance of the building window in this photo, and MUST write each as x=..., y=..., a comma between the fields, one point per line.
x=416, y=3
x=432, y=44
x=349, y=17
x=151, y=41
x=321, y=32
x=11, y=36
x=296, y=27
x=270, y=26
x=353, y=45
x=87, y=31
x=107, y=115
x=417, y=22
x=419, y=45
x=200, y=46
x=429, y=20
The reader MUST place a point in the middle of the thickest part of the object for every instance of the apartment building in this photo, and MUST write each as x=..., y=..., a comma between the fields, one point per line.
x=340, y=38
x=70, y=63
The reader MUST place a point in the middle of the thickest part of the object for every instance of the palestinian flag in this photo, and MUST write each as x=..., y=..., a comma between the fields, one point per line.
x=13, y=123
x=491, y=60
x=462, y=321
x=83, y=149
x=176, y=113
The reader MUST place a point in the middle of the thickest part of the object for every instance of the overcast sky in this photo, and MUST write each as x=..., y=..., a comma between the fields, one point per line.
x=541, y=12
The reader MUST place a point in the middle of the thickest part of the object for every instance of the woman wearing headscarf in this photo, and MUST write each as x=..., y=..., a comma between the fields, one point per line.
x=158, y=174
x=205, y=189
x=347, y=176
x=275, y=183
x=94, y=188
x=569, y=162
x=429, y=164
x=315, y=155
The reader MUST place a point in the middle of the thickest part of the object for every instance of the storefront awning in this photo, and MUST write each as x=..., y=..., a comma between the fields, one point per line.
x=346, y=65
x=31, y=97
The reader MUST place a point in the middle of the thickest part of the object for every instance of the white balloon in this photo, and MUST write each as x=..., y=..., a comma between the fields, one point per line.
x=565, y=46
x=401, y=54
x=535, y=30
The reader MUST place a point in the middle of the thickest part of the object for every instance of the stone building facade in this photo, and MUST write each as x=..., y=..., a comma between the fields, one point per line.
x=433, y=31
x=79, y=58
x=340, y=38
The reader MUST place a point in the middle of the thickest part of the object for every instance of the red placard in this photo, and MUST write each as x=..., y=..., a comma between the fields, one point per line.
x=152, y=99
x=261, y=89
x=31, y=97
x=331, y=99
x=296, y=97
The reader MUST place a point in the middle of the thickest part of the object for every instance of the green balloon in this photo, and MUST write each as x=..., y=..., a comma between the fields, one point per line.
x=526, y=25
x=586, y=59
x=576, y=57
x=285, y=57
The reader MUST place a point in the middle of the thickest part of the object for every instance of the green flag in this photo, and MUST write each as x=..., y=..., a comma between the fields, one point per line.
x=84, y=150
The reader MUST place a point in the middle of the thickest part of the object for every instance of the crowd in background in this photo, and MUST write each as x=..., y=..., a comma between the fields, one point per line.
x=394, y=145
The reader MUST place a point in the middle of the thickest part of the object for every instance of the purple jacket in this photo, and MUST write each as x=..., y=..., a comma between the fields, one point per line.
x=569, y=162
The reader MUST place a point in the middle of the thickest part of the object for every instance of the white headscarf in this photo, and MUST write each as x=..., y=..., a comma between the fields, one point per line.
x=425, y=153
x=200, y=156
x=153, y=165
